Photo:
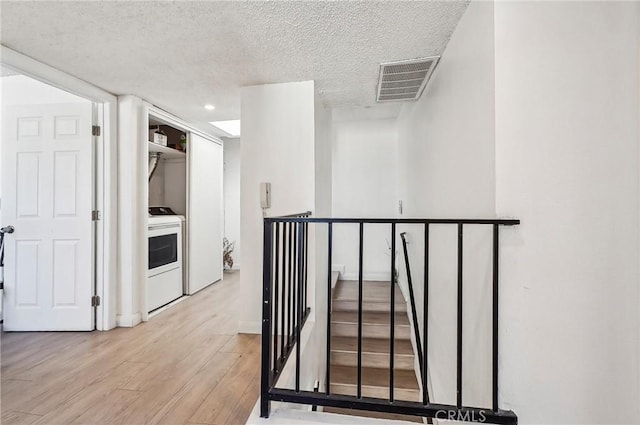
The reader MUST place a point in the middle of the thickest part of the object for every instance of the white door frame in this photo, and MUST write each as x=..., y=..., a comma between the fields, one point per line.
x=105, y=173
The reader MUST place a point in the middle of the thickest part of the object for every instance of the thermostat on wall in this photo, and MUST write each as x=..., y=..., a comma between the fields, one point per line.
x=265, y=195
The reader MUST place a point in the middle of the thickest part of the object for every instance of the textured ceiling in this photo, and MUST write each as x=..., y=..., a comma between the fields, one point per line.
x=181, y=55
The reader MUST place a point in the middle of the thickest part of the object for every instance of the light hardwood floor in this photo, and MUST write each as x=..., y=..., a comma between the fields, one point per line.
x=187, y=365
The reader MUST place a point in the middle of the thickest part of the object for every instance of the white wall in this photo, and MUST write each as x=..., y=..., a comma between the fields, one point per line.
x=157, y=185
x=567, y=165
x=315, y=351
x=313, y=346
x=446, y=169
x=132, y=231
x=232, y=197
x=168, y=186
x=522, y=119
x=364, y=185
x=278, y=146
x=323, y=159
x=174, y=171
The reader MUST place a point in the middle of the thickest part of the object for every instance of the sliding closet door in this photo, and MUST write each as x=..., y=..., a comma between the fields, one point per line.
x=205, y=221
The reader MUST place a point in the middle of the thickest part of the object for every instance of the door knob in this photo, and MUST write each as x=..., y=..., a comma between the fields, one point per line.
x=8, y=229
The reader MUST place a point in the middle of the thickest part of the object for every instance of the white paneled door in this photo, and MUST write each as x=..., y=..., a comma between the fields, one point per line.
x=47, y=180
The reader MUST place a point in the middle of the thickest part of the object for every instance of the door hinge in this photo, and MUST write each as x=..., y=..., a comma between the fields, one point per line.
x=95, y=301
x=95, y=215
x=95, y=130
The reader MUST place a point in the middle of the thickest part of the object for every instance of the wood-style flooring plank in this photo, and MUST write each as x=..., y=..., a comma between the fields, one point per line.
x=169, y=370
x=64, y=383
x=65, y=407
x=219, y=405
x=241, y=411
x=109, y=408
x=13, y=393
x=191, y=396
x=18, y=418
x=26, y=355
x=241, y=343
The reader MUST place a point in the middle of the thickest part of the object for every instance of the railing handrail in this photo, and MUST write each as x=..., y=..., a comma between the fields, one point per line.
x=296, y=215
x=414, y=317
x=299, y=219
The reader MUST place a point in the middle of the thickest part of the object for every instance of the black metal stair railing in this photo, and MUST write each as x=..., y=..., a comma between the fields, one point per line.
x=285, y=309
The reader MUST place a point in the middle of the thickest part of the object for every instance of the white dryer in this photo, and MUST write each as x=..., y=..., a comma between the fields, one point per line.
x=165, y=268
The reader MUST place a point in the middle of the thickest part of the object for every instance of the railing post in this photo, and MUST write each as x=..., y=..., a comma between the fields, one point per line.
x=289, y=285
x=266, y=321
x=306, y=264
x=329, y=300
x=295, y=279
x=393, y=310
x=360, y=294
x=459, y=321
x=283, y=289
x=303, y=283
x=299, y=304
x=425, y=316
x=276, y=285
x=496, y=240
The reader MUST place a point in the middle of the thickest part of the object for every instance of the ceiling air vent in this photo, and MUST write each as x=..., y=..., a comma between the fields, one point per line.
x=404, y=80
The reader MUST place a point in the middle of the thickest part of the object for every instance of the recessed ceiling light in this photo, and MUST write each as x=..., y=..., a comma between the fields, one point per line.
x=231, y=127
x=209, y=107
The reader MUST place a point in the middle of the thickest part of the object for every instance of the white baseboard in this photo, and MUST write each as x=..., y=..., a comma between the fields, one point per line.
x=167, y=306
x=338, y=268
x=128, y=320
x=249, y=327
x=335, y=277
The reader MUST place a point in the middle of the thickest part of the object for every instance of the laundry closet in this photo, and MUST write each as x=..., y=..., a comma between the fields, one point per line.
x=185, y=209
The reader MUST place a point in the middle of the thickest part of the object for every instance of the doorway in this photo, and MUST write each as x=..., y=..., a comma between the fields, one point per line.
x=48, y=197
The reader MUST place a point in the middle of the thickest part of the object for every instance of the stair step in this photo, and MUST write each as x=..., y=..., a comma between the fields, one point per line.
x=375, y=382
x=375, y=352
x=374, y=324
x=372, y=290
x=375, y=296
x=376, y=319
x=352, y=305
x=373, y=376
x=369, y=318
x=372, y=414
x=371, y=345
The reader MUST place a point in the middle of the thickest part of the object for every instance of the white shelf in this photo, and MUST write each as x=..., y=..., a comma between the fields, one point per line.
x=166, y=151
